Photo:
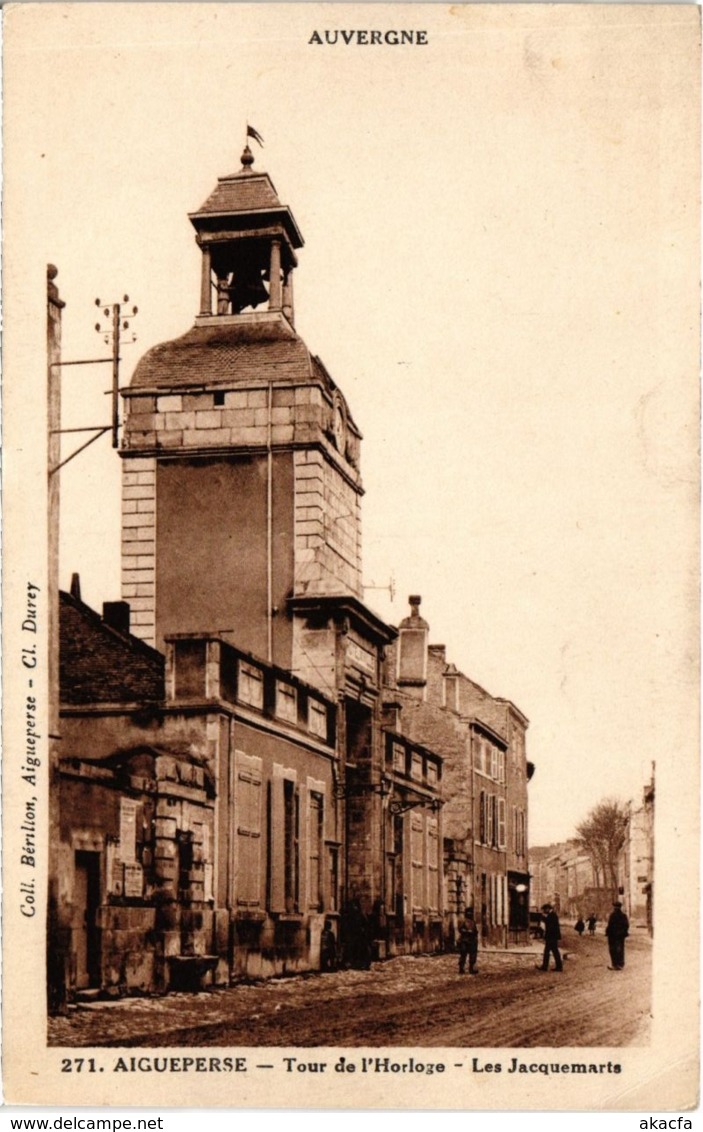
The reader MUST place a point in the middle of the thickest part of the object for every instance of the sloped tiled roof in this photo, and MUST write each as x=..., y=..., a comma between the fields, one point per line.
x=242, y=192
x=98, y=664
x=229, y=354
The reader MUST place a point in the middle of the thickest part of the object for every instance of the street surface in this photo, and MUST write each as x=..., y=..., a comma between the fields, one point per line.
x=409, y=1001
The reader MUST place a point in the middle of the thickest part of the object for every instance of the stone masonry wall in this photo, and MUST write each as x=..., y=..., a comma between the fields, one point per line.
x=139, y=544
x=327, y=528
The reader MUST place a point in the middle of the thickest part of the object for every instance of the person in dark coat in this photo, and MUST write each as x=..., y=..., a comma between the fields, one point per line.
x=580, y=926
x=328, y=948
x=552, y=935
x=617, y=931
x=592, y=921
x=468, y=943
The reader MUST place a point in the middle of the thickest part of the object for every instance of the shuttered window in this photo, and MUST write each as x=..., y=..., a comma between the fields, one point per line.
x=315, y=847
x=501, y=823
x=417, y=857
x=247, y=809
x=432, y=865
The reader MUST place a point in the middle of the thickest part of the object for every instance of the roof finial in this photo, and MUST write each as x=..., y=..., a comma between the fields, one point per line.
x=248, y=156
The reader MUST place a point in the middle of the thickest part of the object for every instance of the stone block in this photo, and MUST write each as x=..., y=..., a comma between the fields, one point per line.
x=237, y=399
x=238, y=418
x=129, y=506
x=261, y=417
x=146, y=505
x=281, y=416
x=132, y=519
x=137, y=491
x=302, y=394
x=141, y=439
x=129, y=563
x=256, y=398
x=134, y=464
x=165, y=827
x=208, y=419
x=209, y=437
x=143, y=617
x=254, y=436
x=283, y=397
x=141, y=404
x=179, y=420
x=146, y=477
x=170, y=403
x=282, y=434
x=140, y=604
x=145, y=533
x=170, y=439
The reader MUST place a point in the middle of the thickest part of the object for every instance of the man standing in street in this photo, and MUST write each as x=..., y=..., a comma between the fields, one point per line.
x=617, y=930
x=468, y=943
x=552, y=935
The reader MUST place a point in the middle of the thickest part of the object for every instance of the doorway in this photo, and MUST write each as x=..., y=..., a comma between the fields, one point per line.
x=86, y=934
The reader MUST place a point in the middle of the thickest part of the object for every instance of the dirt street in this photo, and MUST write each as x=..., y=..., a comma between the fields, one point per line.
x=409, y=1001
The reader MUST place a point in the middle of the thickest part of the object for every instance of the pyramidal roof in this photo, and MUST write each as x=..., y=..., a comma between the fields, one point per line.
x=241, y=192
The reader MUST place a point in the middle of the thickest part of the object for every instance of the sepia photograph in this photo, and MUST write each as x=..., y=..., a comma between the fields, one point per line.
x=351, y=545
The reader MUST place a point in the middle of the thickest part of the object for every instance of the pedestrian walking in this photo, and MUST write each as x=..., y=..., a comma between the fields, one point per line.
x=580, y=926
x=328, y=948
x=592, y=921
x=552, y=935
x=468, y=943
x=617, y=931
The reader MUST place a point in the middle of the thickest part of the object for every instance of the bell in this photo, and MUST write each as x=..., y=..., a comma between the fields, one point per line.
x=247, y=289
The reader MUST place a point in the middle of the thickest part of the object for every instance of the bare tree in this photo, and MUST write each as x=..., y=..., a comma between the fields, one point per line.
x=602, y=835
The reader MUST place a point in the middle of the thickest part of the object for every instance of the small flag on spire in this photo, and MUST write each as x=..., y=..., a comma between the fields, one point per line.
x=252, y=133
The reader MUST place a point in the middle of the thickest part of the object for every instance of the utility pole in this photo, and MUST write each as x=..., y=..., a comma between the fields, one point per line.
x=58, y=913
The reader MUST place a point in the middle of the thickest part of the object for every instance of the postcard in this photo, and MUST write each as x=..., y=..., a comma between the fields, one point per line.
x=351, y=555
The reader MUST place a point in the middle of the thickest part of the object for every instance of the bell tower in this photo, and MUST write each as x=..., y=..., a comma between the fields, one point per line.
x=248, y=241
x=241, y=482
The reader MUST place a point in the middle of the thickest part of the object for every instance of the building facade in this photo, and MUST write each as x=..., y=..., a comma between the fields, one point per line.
x=482, y=743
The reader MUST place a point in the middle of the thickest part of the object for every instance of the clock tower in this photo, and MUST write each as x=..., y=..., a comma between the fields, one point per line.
x=241, y=484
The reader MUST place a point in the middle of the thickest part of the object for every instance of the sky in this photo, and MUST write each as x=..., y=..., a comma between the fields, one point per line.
x=500, y=271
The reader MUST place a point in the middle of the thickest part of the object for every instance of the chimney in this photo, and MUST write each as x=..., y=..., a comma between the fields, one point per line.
x=116, y=615
x=413, y=635
x=76, y=587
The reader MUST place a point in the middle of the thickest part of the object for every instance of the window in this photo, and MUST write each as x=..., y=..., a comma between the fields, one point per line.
x=247, y=808
x=494, y=762
x=251, y=685
x=416, y=767
x=478, y=754
x=333, y=876
x=432, y=865
x=432, y=774
x=290, y=844
x=501, y=823
x=399, y=758
x=218, y=398
x=418, y=862
x=490, y=811
x=482, y=817
x=317, y=718
x=316, y=818
x=513, y=816
x=501, y=766
x=286, y=702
